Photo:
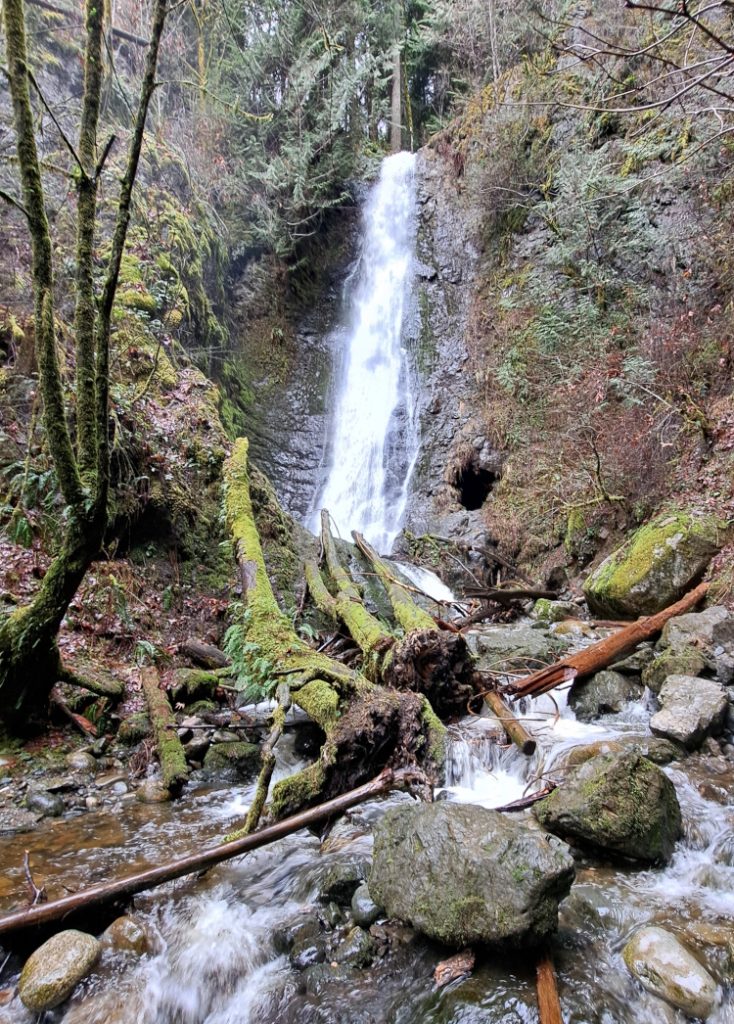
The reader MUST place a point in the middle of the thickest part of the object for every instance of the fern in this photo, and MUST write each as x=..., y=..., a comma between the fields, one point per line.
x=253, y=672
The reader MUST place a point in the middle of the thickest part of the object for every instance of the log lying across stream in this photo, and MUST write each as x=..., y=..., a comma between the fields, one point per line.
x=124, y=888
x=598, y=656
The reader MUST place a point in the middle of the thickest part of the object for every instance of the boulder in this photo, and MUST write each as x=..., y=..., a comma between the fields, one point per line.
x=81, y=761
x=666, y=968
x=686, y=661
x=357, y=949
x=152, y=791
x=619, y=804
x=497, y=644
x=605, y=693
x=657, y=565
x=691, y=709
x=693, y=628
x=238, y=757
x=134, y=728
x=55, y=969
x=462, y=874
x=42, y=802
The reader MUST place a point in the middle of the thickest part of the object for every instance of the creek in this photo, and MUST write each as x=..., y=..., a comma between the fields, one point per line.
x=217, y=943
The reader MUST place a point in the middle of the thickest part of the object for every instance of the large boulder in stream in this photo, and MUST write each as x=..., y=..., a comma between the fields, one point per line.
x=619, y=804
x=605, y=693
x=462, y=874
x=667, y=969
x=656, y=566
x=55, y=969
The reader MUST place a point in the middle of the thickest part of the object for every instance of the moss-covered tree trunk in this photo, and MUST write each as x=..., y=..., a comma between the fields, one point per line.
x=366, y=727
x=29, y=658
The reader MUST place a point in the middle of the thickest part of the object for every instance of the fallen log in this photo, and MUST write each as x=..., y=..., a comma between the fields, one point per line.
x=124, y=888
x=596, y=657
x=170, y=752
x=426, y=660
x=366, y=726
x=204, y=655
x=549, y=1004
x=514, y=729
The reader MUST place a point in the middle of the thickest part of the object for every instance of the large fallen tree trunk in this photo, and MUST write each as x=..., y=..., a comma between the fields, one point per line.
x=124, y=888
x=598, y=656
x=426, y=660
x=366, y=727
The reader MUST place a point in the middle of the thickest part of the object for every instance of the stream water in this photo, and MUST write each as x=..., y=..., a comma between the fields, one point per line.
x=373, y=439
x=216, y=956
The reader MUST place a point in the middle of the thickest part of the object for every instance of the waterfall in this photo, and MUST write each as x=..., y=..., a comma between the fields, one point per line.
x=373, y=441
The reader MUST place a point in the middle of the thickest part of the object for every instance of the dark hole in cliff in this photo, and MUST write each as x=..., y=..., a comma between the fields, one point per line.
x=473, y=485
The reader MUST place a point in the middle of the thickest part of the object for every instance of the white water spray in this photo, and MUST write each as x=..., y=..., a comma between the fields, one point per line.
x=373, y=439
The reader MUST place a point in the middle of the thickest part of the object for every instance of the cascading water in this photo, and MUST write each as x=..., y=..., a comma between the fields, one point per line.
x=373, y=442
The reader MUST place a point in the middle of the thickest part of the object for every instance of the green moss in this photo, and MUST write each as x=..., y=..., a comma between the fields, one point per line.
x=134, y=728
x=297, y=791
x=140, y=300
x=435, y=735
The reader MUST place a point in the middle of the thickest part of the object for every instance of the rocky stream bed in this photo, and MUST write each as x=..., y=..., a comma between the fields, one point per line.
x=298, y=931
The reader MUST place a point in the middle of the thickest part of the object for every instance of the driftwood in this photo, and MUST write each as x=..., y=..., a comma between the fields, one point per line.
x=124, y=888
x=170, y=752
x=514, y=729
x=549, y=1005
x=598, y=656
x=205, y=655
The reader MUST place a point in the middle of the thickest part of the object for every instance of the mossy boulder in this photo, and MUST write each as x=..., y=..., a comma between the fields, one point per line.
x=240, y=758
x=193, y=684
x=498, y=646
x=686, y=661
x=619, y=804
x=462, y=874
x=654, y=748
x=55, y=969
x=134, y=728
x=657, y=565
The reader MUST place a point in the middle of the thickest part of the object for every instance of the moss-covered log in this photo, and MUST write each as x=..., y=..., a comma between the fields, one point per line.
x=170, y=752
x=425, y=659
x=367, y=727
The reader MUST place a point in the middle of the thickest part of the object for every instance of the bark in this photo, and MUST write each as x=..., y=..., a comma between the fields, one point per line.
x=396, y=128
x=366, y=727
x=171, y=755
x=598, y=656
x=123, y=888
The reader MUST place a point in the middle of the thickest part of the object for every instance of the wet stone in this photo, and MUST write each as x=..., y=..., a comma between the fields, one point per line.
x=152, y=791
x=321, y=976
x=364, y=909
x=341, y=880
x=299, y=931
x=81, y=761
x=691, y=709
x=127, y=935
x=52, y=973
x=666, y=968
x=605, y=693
x=308, y=952
x=48, y=804
x=356, y=950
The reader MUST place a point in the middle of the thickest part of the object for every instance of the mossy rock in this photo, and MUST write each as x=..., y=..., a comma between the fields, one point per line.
x=52, y=973
x=683, y=661
x=237, y=757
x=193, y=684
x=134, y=728
x=618, y=804
x=657, y=565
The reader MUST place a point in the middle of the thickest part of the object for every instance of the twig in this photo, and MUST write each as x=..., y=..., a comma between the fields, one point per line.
x=36, y=895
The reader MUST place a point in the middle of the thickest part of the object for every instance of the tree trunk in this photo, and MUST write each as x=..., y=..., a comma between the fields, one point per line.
x=396, y=128
x=366, y=727
x=29, y=658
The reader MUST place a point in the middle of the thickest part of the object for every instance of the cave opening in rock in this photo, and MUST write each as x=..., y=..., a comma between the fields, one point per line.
x=473, y=485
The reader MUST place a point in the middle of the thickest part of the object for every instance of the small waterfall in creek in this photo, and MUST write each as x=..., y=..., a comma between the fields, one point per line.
x=373, y=441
